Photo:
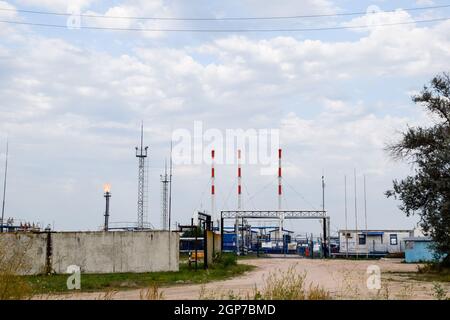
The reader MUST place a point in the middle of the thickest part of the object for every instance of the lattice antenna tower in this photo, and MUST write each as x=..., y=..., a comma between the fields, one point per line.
x=142, y=202
x=165, y=180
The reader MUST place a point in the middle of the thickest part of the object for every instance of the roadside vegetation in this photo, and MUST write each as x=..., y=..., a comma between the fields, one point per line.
x=430, y=272
x=426, y=192
x=224, y=267
x=279, y=285
x=12, y=262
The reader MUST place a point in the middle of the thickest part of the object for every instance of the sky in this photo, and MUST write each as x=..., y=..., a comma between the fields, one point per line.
x=72, y=101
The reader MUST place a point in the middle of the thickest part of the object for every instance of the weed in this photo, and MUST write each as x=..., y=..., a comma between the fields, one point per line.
x=289, y=285
x=439, y=292
x=13, y=262
x=151, y=293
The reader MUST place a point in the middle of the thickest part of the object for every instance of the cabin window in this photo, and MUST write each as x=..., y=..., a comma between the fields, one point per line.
x=393, y=239
x=362, y=239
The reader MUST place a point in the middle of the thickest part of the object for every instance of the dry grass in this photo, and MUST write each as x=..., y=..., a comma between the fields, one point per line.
x=290, y=285
x=279, y=285
x=13, y=262
x=151, y=293
x=107, y=295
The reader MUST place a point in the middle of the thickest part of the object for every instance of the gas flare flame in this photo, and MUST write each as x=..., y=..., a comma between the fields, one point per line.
x=107, y=187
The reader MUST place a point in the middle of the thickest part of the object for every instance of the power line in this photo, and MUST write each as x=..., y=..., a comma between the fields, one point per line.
x=229, y=30
x=219, y=19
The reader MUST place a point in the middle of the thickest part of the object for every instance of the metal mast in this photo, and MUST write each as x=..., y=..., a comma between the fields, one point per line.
x=356, y=218
x=365, y=211
x=345, y=210
x=4, y=188
x=165, y=199
x=107, y=195
x=170, y=188
x=239, y=205
x=141, y=154
x=280, y=181
x=213, y=191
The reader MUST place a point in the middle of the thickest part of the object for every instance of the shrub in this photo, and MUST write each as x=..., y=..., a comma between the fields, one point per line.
x=289, y=285
x=226, y=260
x=13, y=262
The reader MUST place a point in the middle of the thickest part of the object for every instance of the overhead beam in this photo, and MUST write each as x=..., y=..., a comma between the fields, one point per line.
x=274, y=214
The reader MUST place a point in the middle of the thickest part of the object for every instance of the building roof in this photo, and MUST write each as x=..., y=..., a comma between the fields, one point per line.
x=376, y=230
x=417, y=239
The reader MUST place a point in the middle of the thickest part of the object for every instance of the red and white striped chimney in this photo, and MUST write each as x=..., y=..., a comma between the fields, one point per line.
x=280, y=193
x=239, y=176
x=280, y=190
x=213, y=191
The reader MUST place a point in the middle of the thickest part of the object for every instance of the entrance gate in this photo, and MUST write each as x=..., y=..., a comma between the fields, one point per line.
x=280, y=214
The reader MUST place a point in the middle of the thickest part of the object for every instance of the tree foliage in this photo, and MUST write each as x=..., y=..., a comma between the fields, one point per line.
x=427, y=191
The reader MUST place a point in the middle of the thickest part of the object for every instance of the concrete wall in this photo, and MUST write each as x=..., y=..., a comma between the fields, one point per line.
x=27, y=252
x=217, y=243
x=210, y=246
x=100, y=252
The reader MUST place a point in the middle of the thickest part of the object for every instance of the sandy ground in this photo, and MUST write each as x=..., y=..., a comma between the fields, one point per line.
x=344, y=279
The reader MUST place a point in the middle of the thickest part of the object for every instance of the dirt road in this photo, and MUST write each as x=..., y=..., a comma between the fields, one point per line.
x=344, y=279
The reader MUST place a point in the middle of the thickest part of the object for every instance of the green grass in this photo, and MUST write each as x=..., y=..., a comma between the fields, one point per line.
x=428, y=273
x=251, y=256
x=44, y=284
x=431, y=277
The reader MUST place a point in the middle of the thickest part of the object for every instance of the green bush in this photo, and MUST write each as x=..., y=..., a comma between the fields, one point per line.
x=226, y=260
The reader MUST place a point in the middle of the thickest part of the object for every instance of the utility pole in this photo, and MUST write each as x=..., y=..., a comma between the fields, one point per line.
x=4, y=186
x=170, y=186
x=356, y=218
x=365, y=213
x=345, y=209
x=323, y=192
x=324, y=221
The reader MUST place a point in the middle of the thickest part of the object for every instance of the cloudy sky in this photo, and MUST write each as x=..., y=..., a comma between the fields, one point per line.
x=71, y=101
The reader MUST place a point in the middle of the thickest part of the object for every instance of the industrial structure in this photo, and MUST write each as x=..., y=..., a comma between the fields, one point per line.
x=372, y=242
x=246, y=233
x=142, y=202
x=165, y=184
x=4, y=188
x=107, y=195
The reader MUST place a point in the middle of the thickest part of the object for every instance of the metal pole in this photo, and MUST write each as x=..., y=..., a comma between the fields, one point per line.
x=213, y=192
x=280, y=191
x=4, y=187
x=323, y=193
x=345, y=205
x=221, y=232
x=196, y=251
x=365, y=214
x=356, y=219
x=242, y=236
x=205, y=246
x=328, y=237
x=239, y=204
x=107, y=197
x=324, y=237
x=324, y=220
x=170, y=186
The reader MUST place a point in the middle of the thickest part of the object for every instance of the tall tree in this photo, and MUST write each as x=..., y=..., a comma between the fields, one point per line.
x=427, y=192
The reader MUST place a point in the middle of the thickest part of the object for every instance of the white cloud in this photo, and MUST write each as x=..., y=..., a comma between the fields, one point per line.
x=75, y=110
x=60, y=5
